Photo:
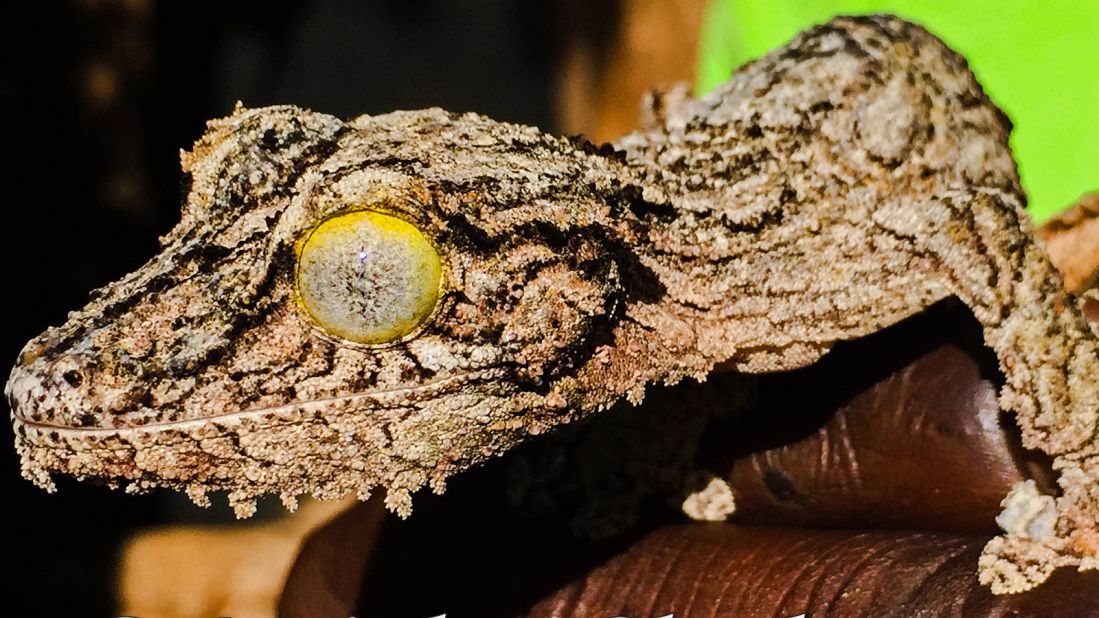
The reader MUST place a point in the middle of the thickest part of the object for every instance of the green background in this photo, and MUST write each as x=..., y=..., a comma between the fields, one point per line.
x=1037, y=59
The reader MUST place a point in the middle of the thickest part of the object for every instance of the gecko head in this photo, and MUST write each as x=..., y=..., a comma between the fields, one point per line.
x=384, y=301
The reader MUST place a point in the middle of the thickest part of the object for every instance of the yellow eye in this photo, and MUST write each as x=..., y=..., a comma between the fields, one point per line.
x=368, y=277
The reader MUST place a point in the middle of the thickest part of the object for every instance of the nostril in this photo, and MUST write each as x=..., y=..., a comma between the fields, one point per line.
x=73, y=378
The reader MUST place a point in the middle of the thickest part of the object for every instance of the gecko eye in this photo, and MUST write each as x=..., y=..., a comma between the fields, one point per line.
x=368, y=277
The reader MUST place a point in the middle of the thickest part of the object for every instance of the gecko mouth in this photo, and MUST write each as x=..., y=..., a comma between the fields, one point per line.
x=408, y=394
x=326, y=447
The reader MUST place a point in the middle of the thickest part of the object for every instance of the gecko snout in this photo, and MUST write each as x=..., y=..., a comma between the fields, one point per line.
x=67, y=390
x=42, y=390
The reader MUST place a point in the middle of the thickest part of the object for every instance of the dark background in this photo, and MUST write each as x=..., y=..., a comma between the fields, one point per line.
x=99, y=97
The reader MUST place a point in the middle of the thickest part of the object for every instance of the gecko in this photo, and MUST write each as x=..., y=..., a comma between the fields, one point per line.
x=389, y=300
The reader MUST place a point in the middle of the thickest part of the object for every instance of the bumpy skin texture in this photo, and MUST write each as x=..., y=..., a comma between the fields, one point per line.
x=829, y=189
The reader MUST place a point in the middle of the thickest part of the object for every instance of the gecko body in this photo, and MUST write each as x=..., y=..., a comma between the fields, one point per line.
x=834, y=187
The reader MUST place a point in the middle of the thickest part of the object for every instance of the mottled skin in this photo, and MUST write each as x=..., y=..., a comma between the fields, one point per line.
x=830, y=189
